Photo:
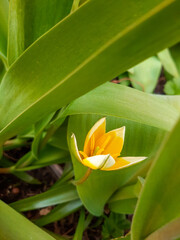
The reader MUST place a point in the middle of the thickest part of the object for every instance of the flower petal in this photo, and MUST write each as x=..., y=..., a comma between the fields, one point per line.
x=96, y=132
x=125, y=162
x=74, y=147
x=112, y=142
x=98, y=161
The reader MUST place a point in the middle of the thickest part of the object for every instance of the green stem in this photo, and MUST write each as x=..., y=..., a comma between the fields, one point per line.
x=14, y=143
x=48, y=135
x=84, y=178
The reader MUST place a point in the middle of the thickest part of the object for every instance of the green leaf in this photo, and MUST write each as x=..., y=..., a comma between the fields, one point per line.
x=62, y=65
x=172, y=100
x=125, y=199
x=80, y=226
x=59, y=139
x=160, y=198
x=55, y=236
x=39, y=128
x=60, y=194
x=130, y=104
x=175, y=52
x=26, y=177
x=4, y=162
x=169, y=231
x=29, y=20
x=48, y=156
x=59, y=212
x=2, y=69
x=128, y=192
x=75, y=5
x=4, y=5
x=146, y=74
x=168, y=62
x=14, y=226
x=126, y=206
x=140, y=140
x=172, y=87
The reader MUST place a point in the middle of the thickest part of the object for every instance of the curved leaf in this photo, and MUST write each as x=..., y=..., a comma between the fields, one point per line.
x=140, y=140
x=59, y=212
x=54, y=196
x=62, y=64
x=14, y=226
x=28, y=20
x=4, y=5
x=159, y=202
x=127, y=103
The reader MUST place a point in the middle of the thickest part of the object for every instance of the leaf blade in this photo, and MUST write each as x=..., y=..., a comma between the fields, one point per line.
x=103, y=50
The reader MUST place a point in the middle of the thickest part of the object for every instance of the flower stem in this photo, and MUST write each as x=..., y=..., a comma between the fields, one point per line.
x=84, y=178
x=5, y=170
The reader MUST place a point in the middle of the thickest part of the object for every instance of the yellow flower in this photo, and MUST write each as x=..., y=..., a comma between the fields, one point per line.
x=102, y=150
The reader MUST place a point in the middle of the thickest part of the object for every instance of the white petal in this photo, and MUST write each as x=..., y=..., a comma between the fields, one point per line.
x=134, y=160
x=120, y=132
x=98, y=161
x=109, y=163
x=74, y=147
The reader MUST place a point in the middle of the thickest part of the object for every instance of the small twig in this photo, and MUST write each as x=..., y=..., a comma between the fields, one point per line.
x=57, y=170
x=5, y=170
x=9, y=157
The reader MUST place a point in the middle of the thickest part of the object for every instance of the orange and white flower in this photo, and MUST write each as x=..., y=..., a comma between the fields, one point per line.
x=102, y=150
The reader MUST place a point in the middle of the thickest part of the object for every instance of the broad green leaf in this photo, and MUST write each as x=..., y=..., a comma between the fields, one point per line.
x=2, y=69
x=125, y=199
x=4, y=5
x=146, y=74
x=62, y=65
x=14, y=226
x=140, y=140
x=58, y=195
x=80, y=226
x=172, y=100
x=29, y=20
x=54, y=235
x=168, y=62
x=130, y=104
x=172, y=87
x=126, y=206
x=75, y=5
x=131, y=191
x=169, y=231
x=175, y=52
x=159, y=203
x=127, y=237
x=59, y=212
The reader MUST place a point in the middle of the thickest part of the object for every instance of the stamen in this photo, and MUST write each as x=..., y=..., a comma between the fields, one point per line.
x=106, y=142
x=115, y=155
x=92, y=144
x=99, y=151
x=83, y=154
x=96, y=150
